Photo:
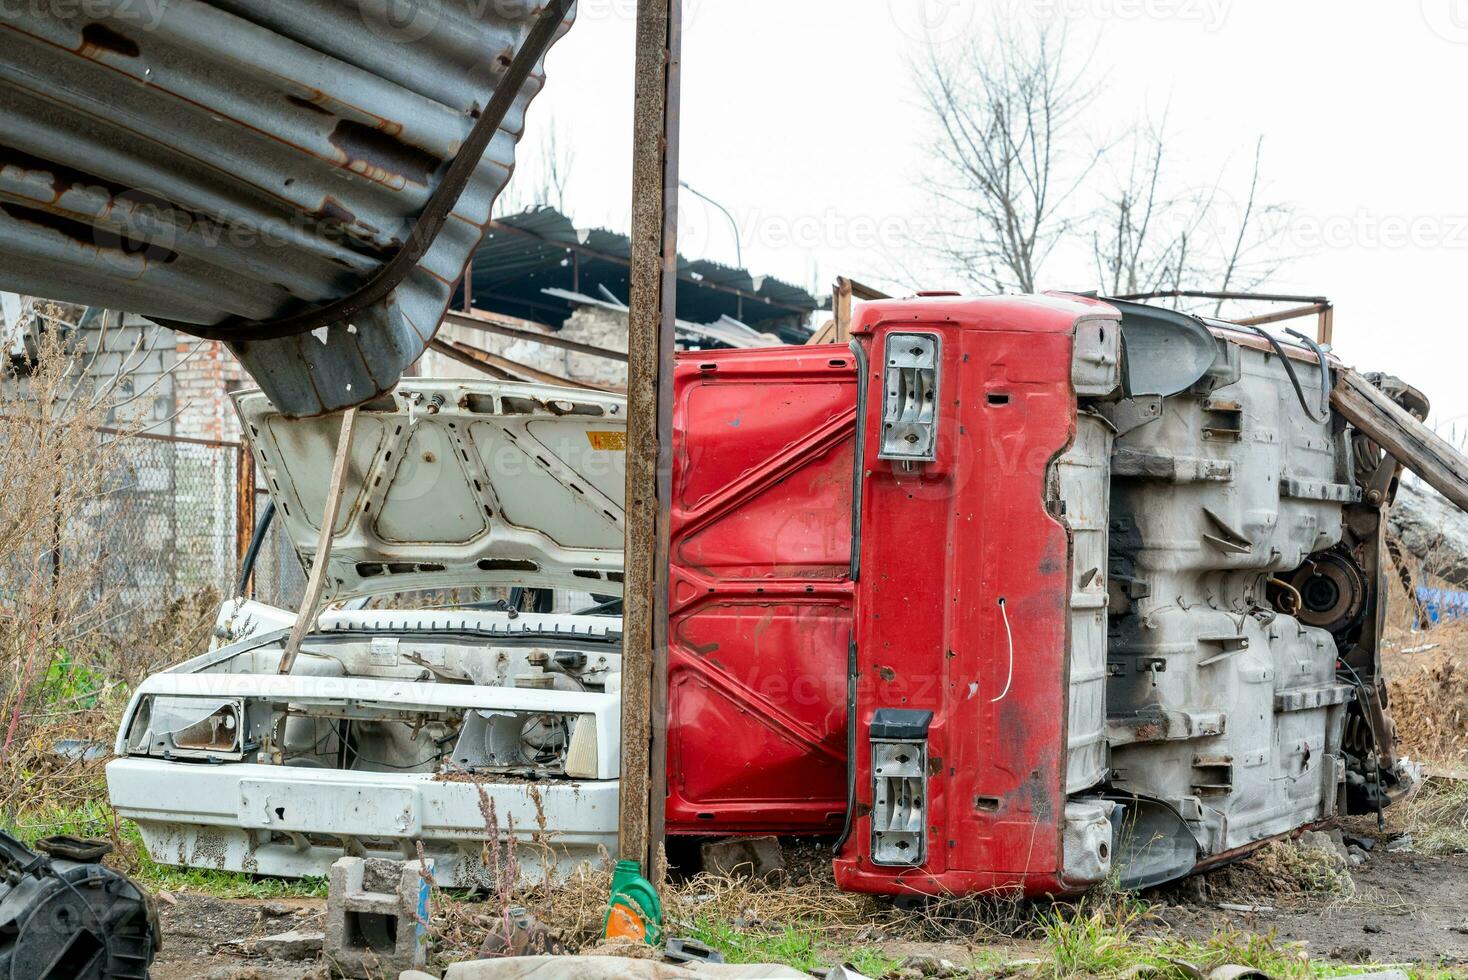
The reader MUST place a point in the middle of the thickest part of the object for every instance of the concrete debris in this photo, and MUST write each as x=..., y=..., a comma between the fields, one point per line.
x=297, y=944
x=527, y=936
x=376, y=915
x=1402, y=845
x=929, y=965
x=609, y=968
x=743, y=857
x=1328, y=842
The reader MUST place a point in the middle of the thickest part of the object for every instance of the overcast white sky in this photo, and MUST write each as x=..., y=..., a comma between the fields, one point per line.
x=802, y=117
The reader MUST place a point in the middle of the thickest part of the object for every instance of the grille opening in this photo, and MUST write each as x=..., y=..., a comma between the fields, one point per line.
x=507, y=565
x=78, y=957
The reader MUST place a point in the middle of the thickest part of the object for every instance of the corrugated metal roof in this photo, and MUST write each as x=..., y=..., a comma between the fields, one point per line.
x=253, y=159
x=526, y=254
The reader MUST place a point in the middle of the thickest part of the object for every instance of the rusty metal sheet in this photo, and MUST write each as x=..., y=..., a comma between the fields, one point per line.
x=207, y=162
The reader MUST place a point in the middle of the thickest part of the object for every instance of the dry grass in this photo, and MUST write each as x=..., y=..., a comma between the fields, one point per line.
x=1437, y=816
x=65, y=667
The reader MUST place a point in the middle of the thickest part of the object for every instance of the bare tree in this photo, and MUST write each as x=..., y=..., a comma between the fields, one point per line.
x=544, y=183
x=1007, y=112
x=1250, y=257
x=1017, y=173
x=1147, y=240
x=1143, y=239
x=557, y=160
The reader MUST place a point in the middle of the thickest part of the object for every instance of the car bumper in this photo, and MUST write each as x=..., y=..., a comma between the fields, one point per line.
x=290, y=822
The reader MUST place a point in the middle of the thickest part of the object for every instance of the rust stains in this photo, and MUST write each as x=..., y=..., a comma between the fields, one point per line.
x=97, y=38
x=308, y=104
x=89, y=235
x=63, y=178
x=332, y=210
x=380, y=157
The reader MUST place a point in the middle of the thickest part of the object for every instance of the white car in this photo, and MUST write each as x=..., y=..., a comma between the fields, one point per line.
x=438, y=719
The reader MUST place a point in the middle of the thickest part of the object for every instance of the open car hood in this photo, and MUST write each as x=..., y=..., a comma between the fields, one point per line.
x=455, y=484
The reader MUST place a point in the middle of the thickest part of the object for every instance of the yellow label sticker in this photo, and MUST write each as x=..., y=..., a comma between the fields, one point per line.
x=608, y=442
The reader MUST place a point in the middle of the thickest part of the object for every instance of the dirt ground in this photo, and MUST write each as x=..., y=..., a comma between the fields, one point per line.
x=1399, y=908
x=1406, y=908
x=207, y=938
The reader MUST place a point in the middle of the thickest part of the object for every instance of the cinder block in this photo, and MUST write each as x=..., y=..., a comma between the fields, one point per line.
x=376, y=916
x=747, y=857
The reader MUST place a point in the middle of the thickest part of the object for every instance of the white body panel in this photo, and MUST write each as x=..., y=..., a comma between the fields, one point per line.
x=225, y=817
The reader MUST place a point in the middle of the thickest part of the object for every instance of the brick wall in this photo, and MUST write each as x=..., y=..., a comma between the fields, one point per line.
x=201, y=385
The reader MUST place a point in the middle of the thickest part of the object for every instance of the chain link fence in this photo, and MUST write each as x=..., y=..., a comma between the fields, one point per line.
x=169, y=523
x=279, y=579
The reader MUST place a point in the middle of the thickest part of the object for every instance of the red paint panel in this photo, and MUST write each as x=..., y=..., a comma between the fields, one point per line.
x=940, y=545
x=760, y=604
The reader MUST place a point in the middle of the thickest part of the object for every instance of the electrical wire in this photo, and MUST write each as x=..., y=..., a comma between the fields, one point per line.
x=1361, y=693
x=1009, y=635
x=1324, y=417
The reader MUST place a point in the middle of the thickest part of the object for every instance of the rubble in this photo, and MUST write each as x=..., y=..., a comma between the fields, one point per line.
x=929, y=965
x=519, y=933
x=294, y=945
x=610, y=968
x=1329, y=842
x=743, y=857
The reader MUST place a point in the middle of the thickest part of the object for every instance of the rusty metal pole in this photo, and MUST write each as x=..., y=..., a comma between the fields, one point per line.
x=651, y=318
x=244, y=505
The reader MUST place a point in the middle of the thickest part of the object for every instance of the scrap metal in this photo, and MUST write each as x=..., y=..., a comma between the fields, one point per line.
x=303, y=181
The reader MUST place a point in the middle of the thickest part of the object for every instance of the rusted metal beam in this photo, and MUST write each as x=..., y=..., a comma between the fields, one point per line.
x=652, y=318
x=1209, y=294
x=1403, y=437
x=505, y=327
x=1294, y=313
x=503, y=367
x=316, y=581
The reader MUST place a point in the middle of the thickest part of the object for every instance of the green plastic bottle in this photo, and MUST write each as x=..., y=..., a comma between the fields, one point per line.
x=634, y=910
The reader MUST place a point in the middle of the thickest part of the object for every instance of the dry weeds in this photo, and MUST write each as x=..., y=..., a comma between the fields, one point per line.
x=65, y=662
